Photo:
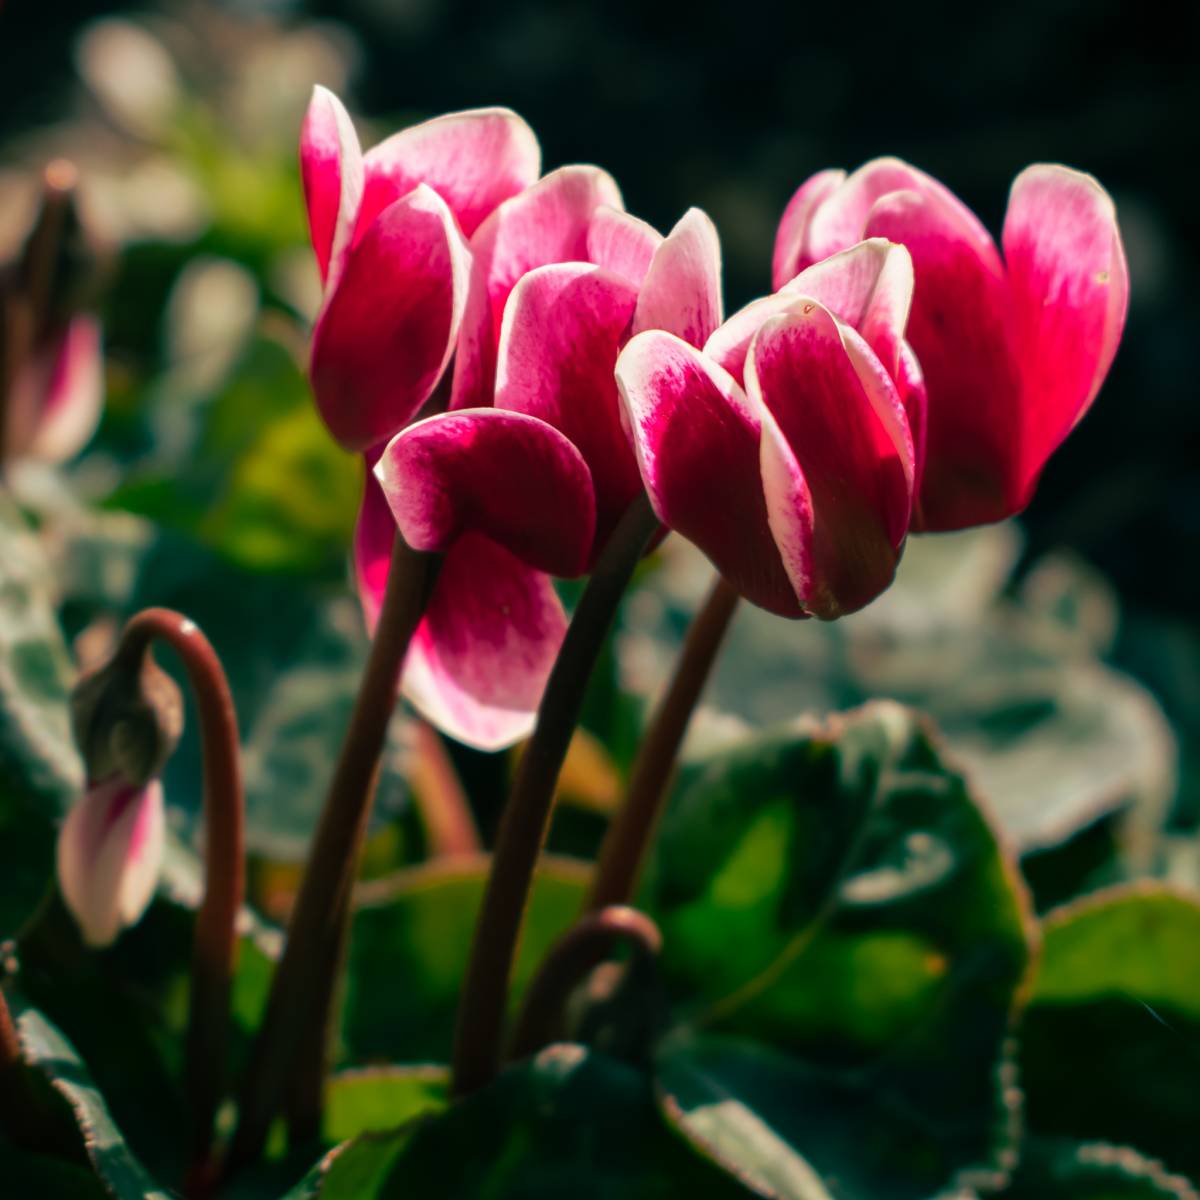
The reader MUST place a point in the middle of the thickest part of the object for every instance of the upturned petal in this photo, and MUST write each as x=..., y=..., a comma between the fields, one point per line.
x=790, y=254
x=837, y=458
x=72, y=393
x=474, y=160
x=562, y=331
x=622, y=243
x=1070, y=291
x=697, y=443
x=387, y=331
x=506, y=475
x=682, y=289
x=546, y=223
x=108, y=858
x=478, y=663
x=331, y=169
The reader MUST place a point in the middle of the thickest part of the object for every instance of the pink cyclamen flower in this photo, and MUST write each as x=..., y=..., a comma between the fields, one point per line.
x=784, y=449
x=529, y=480
x=1013, y=350
x=109, y=853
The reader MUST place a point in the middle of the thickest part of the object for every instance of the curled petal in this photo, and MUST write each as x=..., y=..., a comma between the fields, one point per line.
x=1070, y=292
x=503, y=474
x=959, y=328
x=836, y=458
x=622, y=243
x=109, y=853
x=387, y=332
x=791, y=238
x=480, y=658
x=72, y=396
x=474, y=160
x=682, y=289
x=563, y=329
x=697, y=443
x=546, y=223
x=331, y=168
x=730, y=343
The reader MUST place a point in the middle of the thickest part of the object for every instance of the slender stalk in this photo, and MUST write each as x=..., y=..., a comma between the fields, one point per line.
x=526, y=817
x=214, y=948
x=582, y=948
x=629, y=836
x=450, y=830
x=320, y=910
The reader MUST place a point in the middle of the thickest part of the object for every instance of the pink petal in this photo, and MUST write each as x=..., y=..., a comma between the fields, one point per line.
x=73, y=399
x=479, y=661
x=374, y=533
x=331, y=168
x=387, y=331
x=503, y=474
x=547, y=223
x=730, y=343
x=697, y=444
x=838, y=486
x=474, y=160
x=108, y=857
x=791, y=238
x=959, y=329
x=910, y=384
x=1070, y=292
x=622, y=243
x=563, y=329
x=682, y=289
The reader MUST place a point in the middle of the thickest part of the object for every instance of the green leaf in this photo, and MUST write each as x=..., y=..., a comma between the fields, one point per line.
x=834, y=890
x=419, y=924
x=375, y=1099
x=1092, y=1171
x=567, y=1123
x=23, y=1173
x=1110, y=1041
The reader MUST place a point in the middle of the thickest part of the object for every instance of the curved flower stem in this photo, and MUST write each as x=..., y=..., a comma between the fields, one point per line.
x=584, y=946
x=319, y=914
x=629, y=836
x=214, y=949
x=526, y=817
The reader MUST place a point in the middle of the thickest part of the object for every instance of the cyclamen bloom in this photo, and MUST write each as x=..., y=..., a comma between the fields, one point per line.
x=785, y=449
x=1013, y=350
x=109, y=853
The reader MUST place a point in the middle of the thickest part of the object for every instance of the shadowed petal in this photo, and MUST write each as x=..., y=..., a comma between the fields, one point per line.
x=682, y=289
x=331, y=168
x=791, y=238
x=474, y=160
x=563, y=328
x=622, y=243
x=697, y=444
x=374, y=533
x=73, y=399
x=503, y=474
x=479, y=661
x=388, y=330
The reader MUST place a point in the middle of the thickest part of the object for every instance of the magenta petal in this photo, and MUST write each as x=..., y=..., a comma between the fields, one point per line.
x=546, y=223
x=1070, y=291
x=791, y=238
x=562, y=332
x=374, y=533
x=697, y=444
x=682, y=289
x=910, y=384
x=331, y=169
x=838, y=482
x=479, y=661
x=73, y=396
x=474, y=160
x=959, y=328
x=729, y=344
x=387, y=332
x=622, y=243
x=503, y=474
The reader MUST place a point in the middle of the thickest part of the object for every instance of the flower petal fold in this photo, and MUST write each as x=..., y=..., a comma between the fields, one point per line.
x=682, y=289
x=562, y=331
x=72, y=397
x=622, y=243
x=109, y=853
x=331, y=169
x=1070, y=292
x=509, y=476
x=697, y=443
x=474, y=160
x=790, y=255
x=480, y=658
x=387, y=331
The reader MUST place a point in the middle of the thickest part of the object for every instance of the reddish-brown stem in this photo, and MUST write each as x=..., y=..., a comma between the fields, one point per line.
x=214, y=949
x=319, y=913
x=524, y=824
x=582, y=948
x=624, y=850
